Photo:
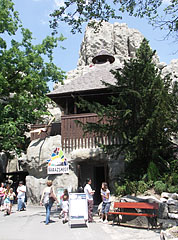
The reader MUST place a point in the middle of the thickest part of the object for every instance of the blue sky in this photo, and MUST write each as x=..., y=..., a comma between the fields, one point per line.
x=35, y=16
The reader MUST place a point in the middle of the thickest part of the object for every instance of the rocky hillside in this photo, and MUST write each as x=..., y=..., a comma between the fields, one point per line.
x=120, y=41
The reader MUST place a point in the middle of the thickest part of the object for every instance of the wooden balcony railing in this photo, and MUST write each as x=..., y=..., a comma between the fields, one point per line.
x=73, y=136
x=43, y=130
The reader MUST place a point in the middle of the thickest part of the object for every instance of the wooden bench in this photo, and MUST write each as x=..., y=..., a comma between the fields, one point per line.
x=151, y=210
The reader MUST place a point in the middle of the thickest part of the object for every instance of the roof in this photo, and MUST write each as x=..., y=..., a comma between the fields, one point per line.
x=89, y=81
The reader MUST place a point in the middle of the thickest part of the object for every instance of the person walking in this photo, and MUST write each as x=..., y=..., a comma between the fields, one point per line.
x=65, y=193
x=12, y=196
x=66, y=196
x=7, y=202
x=21, y=191
x=47, y=200
x=105, y=195
x=65, y=209
x=2, y=193
x=89, y=196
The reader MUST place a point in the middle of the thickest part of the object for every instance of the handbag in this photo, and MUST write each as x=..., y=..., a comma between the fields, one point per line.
x=52, y=196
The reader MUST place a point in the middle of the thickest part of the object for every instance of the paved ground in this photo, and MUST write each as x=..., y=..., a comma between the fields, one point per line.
x=29, y=225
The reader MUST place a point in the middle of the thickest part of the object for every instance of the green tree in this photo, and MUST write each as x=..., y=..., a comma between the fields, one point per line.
x=9, y=20
x=75, y=12
x=25, y=70
x=142, y=115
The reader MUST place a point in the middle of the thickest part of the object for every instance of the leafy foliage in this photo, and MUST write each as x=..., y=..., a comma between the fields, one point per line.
x=159, y=187
x=76, y=12
x=9, y=20
x=152, y=172
x=131, y=187
x=25, y=71
x=142, y=115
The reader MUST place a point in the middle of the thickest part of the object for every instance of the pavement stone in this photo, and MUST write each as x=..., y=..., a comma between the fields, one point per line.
x=29, y=224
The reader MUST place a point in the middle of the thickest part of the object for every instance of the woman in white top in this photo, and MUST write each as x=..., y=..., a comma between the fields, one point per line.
x=46, y=200
x=89, y=196
x=105, y=195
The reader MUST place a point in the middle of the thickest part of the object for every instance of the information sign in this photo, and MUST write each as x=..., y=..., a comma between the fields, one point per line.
x=58, y=164
x=78, y=208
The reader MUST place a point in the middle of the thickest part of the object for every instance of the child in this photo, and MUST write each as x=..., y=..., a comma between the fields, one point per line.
x=2, y=192
x=65, y=209
x=7, y=202
x=12, y=195
x=65, y=193
x=105, y=194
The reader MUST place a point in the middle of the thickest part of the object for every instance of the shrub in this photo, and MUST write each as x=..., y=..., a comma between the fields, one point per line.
x=175, y=178
x=159, y=187
x=127, y=188
x=150, y=184
x=131, y=187
x=172, y=189
x=152, y=172
x=120, y=190
x=142, y=187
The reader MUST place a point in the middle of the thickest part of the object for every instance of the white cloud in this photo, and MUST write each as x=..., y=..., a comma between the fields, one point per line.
x=58, y=3
x=43, y=22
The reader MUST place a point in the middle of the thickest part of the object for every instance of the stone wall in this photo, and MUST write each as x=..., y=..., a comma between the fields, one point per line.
x=170, y=203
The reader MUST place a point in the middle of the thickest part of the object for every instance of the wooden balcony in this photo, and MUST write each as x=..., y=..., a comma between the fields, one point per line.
x=73, y=136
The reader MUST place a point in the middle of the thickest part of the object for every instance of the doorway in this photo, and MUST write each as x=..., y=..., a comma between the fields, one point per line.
x=98, y=172
x=99, y=177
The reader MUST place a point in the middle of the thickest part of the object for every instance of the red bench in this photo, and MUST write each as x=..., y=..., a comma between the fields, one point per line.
x=152, y=213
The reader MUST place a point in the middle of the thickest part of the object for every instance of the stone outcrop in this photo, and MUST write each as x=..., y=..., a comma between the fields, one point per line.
x=38, y=152
x=171, y=200
x=118, y=39
x=35, y=162
x=121, y=42
x=35, y=185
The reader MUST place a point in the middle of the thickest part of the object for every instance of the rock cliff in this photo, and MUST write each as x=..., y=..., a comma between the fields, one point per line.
x=121, y=42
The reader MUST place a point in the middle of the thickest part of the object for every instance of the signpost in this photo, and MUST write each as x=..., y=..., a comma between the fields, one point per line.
x=78, y=209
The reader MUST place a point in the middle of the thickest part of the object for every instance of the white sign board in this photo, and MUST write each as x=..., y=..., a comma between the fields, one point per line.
x=78, y=208
x=57, y=164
